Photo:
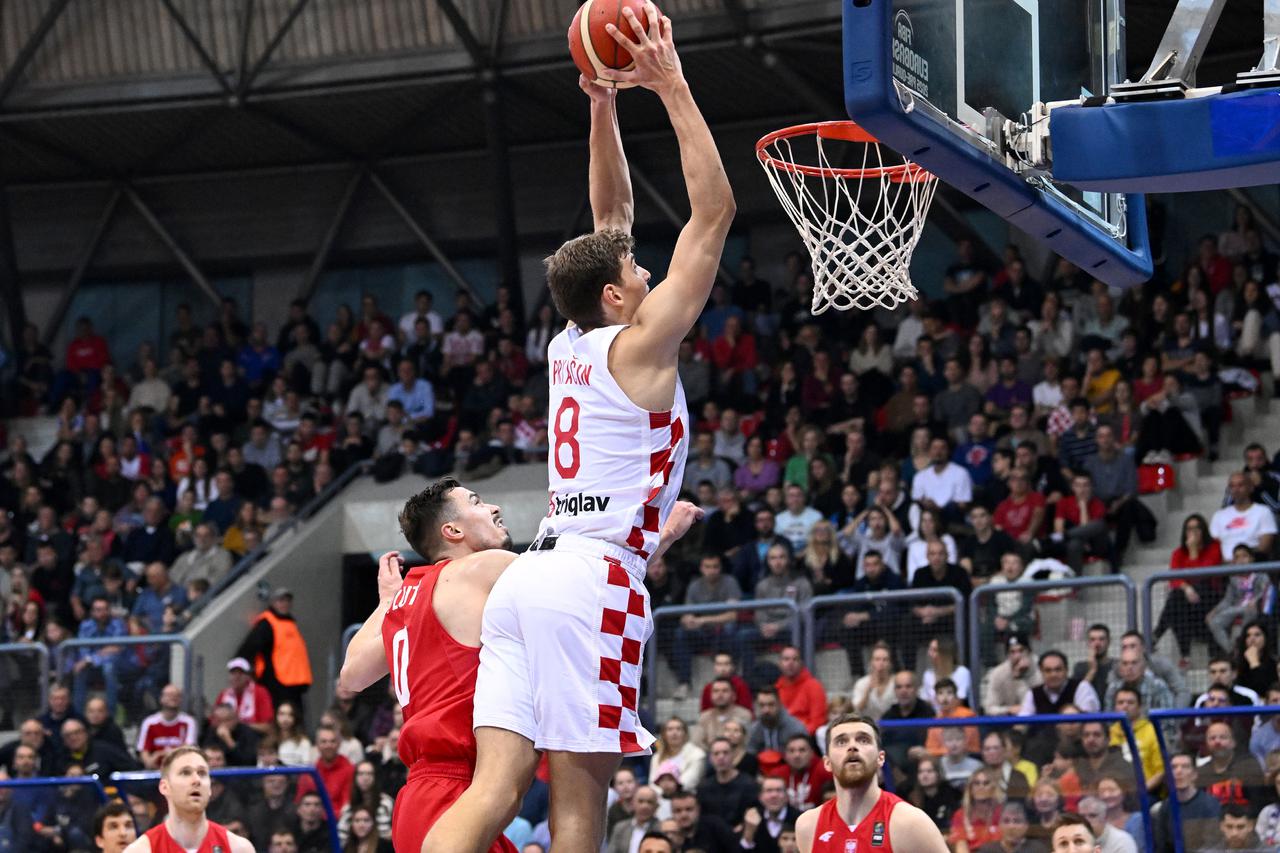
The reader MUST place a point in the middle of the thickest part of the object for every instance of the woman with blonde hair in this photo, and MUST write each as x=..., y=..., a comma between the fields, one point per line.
x=736, y=733
x=828, y=568
x=1046, y=806
x=978, y=820
x=929, y=527
x=943, y=656
x=873, y=693
x=674, y=745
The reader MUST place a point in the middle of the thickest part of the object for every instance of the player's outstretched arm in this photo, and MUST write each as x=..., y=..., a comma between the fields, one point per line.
x=667, y=315
x=612, y=202
x=806, y=824
x=682, y=517
x=912, y=829
x=366, y=660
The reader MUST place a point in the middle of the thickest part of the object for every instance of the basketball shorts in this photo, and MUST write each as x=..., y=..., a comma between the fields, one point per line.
x=425, y=797
x=562, y=645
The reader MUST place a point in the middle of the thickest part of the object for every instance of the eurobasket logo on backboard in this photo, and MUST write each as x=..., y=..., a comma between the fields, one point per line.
x=909, y=68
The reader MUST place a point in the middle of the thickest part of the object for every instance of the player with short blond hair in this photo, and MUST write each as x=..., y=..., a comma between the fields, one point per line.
x=185, y=785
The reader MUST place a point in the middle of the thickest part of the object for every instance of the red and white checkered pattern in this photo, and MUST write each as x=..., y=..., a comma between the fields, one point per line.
x=647, y=529
x=624, y=625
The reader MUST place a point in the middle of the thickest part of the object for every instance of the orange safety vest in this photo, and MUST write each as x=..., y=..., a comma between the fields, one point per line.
x=288, y=653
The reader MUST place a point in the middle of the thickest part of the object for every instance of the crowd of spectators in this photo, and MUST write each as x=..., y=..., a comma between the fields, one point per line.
x=973, y=439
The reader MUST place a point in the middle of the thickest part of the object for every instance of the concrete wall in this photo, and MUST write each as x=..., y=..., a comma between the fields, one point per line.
x=309, y=562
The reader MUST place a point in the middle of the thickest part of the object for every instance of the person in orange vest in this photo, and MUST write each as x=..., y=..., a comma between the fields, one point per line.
x=801, y=693
x=278, y=652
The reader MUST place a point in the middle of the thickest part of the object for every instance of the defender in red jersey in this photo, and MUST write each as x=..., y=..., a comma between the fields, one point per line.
x=863, y=818
x=184, y=783
x=426, y=633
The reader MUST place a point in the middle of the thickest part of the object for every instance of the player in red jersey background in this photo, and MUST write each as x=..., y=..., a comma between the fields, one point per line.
x=863, y=817
x=185, y=785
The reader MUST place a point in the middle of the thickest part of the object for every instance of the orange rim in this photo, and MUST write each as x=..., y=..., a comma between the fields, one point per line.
x=845, y=131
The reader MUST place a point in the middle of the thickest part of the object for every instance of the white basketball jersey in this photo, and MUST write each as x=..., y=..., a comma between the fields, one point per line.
x=614, y=470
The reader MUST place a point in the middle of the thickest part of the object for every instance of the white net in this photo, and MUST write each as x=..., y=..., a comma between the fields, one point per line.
x=860, y=224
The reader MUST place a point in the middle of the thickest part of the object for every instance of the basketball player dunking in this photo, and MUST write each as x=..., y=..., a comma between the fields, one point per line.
x=426, y=632
x=184, y=783
x=863, y=818
x=565, y=625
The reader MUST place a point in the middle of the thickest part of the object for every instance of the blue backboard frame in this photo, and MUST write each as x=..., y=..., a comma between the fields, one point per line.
x=915, y=130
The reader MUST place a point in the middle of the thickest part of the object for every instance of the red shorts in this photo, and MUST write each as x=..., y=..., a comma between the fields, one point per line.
x=425, y=797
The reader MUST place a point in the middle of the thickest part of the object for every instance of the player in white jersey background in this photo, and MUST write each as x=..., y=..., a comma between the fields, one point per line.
x=565, y=627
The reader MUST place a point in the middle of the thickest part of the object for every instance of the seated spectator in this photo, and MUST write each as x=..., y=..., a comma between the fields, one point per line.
x=932, y=795
x=98, y=661
x=673, y=745
x=943, y=664
x=1046, y=806
x=772, y=626
x=727, y=793
x=1107, y=837
x=100, y=757
x=1198, y=811
x=948, y=705
x=1253, y=657
x=310, y=828
x=745, y=761
x=773, y=726
x=995, y=757
x=166, y=729
x=621, y=796
x=1008, y=613
x=636, y=826
x=207, y=560
x=1131, y=671
x=975, y=452
x=829, y=569
x=698, y=630
x=1245, y=596
x=798, y=519
x=704, y=465
x=1231, y=774
x=251, y=700
x=723, y=709
x=944, y=486
x=978, y=820
x=873, y=693
x=1080, y=523
x=757, y=472
x=804, y=773
x=868, y=621
x=934, y=620
x=1265, y=737
x=1013, y=832
x=981, y=551
x=903, y=747
x=1128, y=701
x=873, y=529
x=699, y=831
x=1009, y=683
x=956, y=764
x=929, y=527
x=722, y=666
x=367, y=796
x=336, y=771
x=801, y=693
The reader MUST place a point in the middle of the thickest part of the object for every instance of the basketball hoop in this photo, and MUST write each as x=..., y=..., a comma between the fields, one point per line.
x=861, y=224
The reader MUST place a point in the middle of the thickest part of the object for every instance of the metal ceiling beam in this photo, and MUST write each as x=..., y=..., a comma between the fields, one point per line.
x=246, y=81
x=81, y=268
x=29, y=48
x=474, y=48
x=171, y=243
x=10, y=282
x=497, y=36
x=325, y=249
x=197, y=45
x=423, y=237
x=246, y=31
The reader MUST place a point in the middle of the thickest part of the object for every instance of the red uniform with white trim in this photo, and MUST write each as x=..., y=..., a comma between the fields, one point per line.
x=434, y=679
x=565, y=625
x=215, y=840
x=160, y=735
x=871, y=834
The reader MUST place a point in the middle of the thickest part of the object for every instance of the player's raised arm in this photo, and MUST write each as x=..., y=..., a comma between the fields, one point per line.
x=366, y=660
x=612, y=202
x=667, y=315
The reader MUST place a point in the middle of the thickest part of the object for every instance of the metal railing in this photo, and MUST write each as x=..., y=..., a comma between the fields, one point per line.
x=850, y=599
x=1226, y=570
x=41, y=651
x=310, y=508
x=1175, y=807
x=662, y=613
x=66, y=647
x=1144, y=798
x=977, y=607
x=136, y=776
x=58, y=781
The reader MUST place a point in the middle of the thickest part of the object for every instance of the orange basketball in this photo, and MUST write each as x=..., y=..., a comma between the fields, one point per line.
x=592, y=47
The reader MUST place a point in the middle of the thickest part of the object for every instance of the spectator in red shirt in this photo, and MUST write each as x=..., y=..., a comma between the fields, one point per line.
x=1080, y=521
x=802, y=694
x=335, y=770
x=86, y=355
x=1216, y=268
x=1021, y=515
x=803, y=772
x=723, y=667
x=734, y=355
x=1190, y=601
x=250, y=699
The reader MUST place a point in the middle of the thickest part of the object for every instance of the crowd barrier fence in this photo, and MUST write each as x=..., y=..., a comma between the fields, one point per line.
x=1072, y=631
x=667, y=642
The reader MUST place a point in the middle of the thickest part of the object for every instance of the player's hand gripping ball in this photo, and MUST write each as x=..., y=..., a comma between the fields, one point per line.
x=594, y=51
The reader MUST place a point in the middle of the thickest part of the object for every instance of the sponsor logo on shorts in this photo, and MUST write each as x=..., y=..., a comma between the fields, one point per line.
x=578, y=503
